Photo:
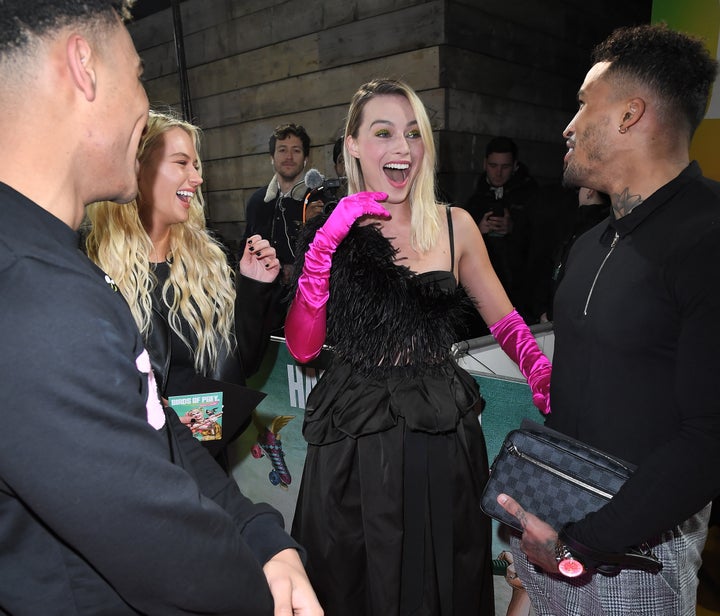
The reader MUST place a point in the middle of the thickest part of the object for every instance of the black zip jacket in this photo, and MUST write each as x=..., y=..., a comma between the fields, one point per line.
x=637, y=357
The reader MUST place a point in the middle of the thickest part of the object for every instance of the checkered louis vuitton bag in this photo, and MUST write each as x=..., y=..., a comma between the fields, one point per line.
x=553, y=476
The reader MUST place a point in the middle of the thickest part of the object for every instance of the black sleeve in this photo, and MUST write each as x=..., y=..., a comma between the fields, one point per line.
x=261, y=525
x=253, y=320
x=250, y=218
x=84, y=460
x=680, y=476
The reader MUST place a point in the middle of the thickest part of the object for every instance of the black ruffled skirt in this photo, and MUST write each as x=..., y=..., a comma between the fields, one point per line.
x=388, y=508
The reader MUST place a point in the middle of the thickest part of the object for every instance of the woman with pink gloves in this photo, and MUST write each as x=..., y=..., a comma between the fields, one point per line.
x=388, y=506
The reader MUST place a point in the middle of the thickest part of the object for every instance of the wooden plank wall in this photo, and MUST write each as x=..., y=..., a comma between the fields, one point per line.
x=482, y=67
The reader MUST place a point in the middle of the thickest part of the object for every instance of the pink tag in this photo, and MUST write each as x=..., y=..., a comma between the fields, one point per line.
x=155, y=415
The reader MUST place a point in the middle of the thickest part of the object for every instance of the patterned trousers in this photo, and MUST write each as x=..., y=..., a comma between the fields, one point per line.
x=672, y=592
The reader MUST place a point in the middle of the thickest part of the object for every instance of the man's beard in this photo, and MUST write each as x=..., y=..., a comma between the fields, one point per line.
x=591, y=143
x=574, y=175
x=290, y=179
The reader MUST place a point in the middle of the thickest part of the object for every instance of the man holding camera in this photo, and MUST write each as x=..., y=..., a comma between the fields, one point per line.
x=277, y=211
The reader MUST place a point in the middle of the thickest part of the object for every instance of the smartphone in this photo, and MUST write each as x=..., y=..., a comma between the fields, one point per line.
x=498, y=211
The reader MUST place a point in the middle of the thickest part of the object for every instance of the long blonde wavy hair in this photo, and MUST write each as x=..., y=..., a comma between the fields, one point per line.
x=425, y=219
x=200, y=288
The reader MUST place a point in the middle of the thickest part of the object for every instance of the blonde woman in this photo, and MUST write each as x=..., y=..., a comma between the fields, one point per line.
x=388, y=505
x=197, y=316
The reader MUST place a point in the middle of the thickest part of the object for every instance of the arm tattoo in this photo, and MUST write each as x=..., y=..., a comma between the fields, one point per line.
x=624, y=203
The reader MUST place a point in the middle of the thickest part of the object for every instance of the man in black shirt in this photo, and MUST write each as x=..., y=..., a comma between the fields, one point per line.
x=636, y=334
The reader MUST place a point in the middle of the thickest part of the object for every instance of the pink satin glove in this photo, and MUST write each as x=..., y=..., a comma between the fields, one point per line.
x=516, y=339
x=305, y=321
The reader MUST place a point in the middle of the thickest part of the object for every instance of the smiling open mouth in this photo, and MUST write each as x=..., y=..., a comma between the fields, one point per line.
x=185, y=195
x=397, y=172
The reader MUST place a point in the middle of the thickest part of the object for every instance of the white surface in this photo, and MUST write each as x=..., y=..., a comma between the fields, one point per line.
x=483, y=356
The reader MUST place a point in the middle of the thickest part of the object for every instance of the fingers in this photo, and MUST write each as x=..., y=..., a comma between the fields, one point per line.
x=259, y=250
x=509, y=504
x=289, y=586
x=373, y=207
x=281, y=590
x=361, y=204
x=314, y=208
x=375, y=196
x=542, y=402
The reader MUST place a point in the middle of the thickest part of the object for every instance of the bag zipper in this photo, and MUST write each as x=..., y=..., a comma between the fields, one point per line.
x=513, y=450
x=607, y=256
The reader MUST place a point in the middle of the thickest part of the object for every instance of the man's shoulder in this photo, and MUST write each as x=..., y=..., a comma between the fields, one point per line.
x=712, y=187
x=699, y=196
x=257, y=197
x=521, y=186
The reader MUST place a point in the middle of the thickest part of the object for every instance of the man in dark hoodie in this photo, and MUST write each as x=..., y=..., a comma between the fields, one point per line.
x=107, y=503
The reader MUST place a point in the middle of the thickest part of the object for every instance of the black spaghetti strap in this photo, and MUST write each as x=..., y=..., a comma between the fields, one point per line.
x=452, y=240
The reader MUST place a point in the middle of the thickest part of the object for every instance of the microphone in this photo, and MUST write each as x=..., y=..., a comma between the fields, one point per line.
x=314, y=179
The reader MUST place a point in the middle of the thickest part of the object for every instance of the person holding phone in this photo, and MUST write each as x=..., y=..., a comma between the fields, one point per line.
x=499, y=206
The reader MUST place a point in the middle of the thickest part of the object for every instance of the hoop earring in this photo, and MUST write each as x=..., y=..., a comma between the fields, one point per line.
x=622, y=129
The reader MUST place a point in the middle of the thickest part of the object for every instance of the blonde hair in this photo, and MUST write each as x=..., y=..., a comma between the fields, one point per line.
x=425, y=219
x=200, y=288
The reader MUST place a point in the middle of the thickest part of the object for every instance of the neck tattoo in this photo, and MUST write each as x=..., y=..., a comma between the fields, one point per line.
x=624, y=203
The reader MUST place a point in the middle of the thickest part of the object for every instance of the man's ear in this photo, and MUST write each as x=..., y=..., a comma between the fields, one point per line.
x=633, y=111
x=81, y=65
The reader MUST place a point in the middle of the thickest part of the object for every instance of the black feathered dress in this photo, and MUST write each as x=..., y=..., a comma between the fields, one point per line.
x=388, y=507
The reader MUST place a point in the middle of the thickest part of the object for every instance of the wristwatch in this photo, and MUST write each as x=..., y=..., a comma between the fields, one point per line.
x=568, y=565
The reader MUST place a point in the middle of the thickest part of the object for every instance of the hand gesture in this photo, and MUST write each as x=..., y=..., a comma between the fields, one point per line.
x=258, y=260
x=490, y=223
x=289, y=586
x=313, y=209
x=346, y=212
x=538, y=538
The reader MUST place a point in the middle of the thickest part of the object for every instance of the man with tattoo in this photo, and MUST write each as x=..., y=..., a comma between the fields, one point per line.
x=637, y=326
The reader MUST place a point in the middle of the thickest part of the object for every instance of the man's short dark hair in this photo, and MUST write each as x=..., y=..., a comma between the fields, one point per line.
x=675, y=66
x=283, y=131
x=501, y=145
x=337, y=149
x=20, y=19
